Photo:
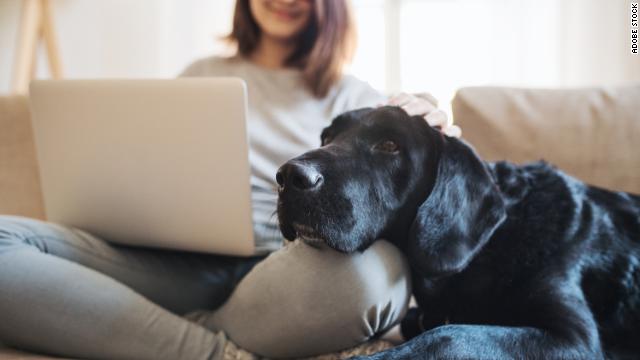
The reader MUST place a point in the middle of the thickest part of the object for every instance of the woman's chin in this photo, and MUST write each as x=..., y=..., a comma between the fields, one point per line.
x=283, y=31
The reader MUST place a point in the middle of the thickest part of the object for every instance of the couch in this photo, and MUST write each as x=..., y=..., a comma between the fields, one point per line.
x=591, y=134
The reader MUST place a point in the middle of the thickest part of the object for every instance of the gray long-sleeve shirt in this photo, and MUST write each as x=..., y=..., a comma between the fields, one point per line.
x=285, y=120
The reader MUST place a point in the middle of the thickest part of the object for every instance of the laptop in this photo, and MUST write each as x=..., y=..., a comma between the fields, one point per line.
x=158, y=163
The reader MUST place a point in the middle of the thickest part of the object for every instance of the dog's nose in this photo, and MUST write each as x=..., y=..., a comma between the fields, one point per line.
x=299, y=176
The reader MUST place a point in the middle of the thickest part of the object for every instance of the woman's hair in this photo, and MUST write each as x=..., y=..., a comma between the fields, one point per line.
x=323, y=48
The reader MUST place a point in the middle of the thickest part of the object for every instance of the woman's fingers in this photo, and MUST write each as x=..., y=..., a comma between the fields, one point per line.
x=438, y=118
x=412, y=104
x=424, y=104
x=400, y=99
x=430, y=98
x=453, y=131
x=419, y=107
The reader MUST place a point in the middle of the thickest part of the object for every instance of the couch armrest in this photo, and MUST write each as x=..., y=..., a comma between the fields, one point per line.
x=20, y=192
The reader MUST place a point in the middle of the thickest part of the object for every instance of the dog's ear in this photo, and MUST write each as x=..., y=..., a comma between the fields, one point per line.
x=459, y=215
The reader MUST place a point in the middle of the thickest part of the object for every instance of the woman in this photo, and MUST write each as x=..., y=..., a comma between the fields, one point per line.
x=66, y=292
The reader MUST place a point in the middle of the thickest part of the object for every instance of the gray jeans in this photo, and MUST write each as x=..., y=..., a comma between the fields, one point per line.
x=66, y=292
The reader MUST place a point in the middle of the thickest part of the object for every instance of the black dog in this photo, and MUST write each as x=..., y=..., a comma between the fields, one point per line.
x=509, y=262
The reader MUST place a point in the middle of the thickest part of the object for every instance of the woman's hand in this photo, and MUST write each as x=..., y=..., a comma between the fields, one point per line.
x=424, y=104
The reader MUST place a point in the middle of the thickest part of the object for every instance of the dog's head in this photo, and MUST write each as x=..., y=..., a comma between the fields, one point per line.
x=381, y=173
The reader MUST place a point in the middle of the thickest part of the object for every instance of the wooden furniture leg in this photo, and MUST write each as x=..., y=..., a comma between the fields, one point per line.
x=35, y=23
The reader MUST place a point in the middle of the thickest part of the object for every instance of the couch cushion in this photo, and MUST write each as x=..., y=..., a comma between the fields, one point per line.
x=592, y=134
x=19, y=181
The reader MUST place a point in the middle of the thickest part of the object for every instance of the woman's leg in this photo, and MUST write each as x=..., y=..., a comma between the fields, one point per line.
x=303, y=301
x=65, y=292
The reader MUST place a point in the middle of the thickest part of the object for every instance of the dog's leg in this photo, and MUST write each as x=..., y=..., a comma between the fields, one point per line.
x=564, y=329
x=488, y=342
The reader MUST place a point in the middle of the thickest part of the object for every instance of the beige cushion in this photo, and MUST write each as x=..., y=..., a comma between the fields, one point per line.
x=592, y=134
x=19, y=181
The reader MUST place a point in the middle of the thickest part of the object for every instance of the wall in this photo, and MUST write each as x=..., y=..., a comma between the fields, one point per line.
x=411, y=45
x=123, y=38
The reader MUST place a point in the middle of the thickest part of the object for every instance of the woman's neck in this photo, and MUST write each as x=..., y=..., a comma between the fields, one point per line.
x=272, y=53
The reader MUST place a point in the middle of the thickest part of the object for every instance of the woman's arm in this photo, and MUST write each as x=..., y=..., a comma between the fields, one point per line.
x=361, y=94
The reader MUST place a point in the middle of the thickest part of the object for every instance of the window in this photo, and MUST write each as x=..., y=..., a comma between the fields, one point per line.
x=439, y=46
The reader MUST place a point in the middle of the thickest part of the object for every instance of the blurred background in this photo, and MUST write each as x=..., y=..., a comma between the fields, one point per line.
x=411, y=45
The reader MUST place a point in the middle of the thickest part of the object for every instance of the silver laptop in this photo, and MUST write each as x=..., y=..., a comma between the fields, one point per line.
x=161, y=163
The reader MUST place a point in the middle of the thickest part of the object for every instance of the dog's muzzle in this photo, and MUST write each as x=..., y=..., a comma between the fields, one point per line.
x=298, y=176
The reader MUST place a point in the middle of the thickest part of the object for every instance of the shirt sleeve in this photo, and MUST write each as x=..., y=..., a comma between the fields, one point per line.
x=364, y=95
x=194, y=69
x=353, y=93
x=209, y=66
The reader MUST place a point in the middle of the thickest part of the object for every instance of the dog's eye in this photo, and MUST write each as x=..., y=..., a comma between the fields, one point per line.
x=326, y=139
x=387, y=146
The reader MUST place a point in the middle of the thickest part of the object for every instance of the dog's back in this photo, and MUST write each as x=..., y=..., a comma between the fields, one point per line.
x=590, y=233
x=611, y=280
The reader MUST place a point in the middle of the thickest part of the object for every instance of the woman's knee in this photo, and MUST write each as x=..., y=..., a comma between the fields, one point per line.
x=303, y=301
x=382, y=296
x=375, y=290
